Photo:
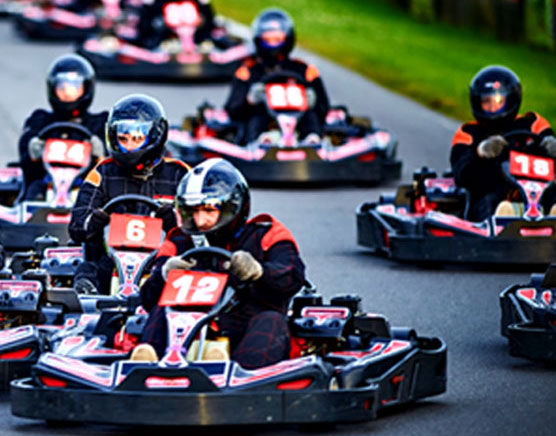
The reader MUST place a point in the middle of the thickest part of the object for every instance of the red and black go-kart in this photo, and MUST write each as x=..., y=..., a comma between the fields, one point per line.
x=345, y=366
x=66, y=162
x=351, y=150
x=178, y=58
x=529, y=317
x=424, y=222
x=36, y=315
x=55, y=21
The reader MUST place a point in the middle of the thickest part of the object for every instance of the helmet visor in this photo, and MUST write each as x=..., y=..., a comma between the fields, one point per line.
x=494, y=102
x=69, y=86
x=132, y=135
x=273, y=38
x=202, y=214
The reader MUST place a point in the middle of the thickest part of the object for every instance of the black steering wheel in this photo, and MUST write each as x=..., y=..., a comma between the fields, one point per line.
x=211, y=258
x=521, y=136
x=110, y=207
x=284, y=77
x=67, y=126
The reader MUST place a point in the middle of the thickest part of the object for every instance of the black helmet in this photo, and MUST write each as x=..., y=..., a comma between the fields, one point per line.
x=272, y=23
x=217, y=183
x=499, y=86
x=74, y=73
x=136, y=132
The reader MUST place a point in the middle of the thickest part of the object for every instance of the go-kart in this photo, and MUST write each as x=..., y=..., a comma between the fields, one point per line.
x=177, y=58
x=37, y=316
x=345, y=365
x=55, y=21
x=425, y=222
x=351, y=150
x=529, y=317
x=66, y=162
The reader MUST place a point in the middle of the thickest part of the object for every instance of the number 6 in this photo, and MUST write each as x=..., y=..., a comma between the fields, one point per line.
x=135, y=230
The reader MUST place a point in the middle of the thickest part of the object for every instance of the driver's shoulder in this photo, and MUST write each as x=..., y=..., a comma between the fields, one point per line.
x=39, y=118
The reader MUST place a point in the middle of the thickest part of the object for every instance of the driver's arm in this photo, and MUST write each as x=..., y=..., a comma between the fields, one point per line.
x=91, y=196
x=236, y=105
x=314, y=80
x=470, y=171
x=283, y=275
x=33, y=125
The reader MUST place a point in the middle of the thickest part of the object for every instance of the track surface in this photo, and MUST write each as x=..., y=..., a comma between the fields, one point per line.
x=489, y=392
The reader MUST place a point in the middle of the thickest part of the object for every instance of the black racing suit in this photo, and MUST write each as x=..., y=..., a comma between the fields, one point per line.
x=106, y=181
x=257, y=326
x=256, y=117
x=482, y=177
x=152, y=29
x=33, y=170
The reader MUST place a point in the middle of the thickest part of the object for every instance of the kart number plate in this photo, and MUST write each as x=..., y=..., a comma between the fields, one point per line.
x=132, y=231
x=281, y=96
x=67, y=152
x=192, y=288
x=532, y=167
x=178, y=14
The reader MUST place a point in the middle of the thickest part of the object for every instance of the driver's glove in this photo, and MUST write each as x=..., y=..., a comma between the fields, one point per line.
x=97, y=146
x=176, y=262
x=95, y=222
x=245, y=267
x=311, y=97
x=256, y=93
x=36, y=147
x=491, y=147
x=549, y=144
x=167, y=215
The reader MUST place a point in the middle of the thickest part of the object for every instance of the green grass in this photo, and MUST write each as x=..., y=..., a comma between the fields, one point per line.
x=432, y=63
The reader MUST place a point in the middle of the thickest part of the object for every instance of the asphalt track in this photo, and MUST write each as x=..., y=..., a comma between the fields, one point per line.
x=489, y=392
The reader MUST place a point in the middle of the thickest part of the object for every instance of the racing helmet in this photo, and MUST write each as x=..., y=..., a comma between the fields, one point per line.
x=273, y=35
x=215, y=183
x=70, y=84
x=495, y=94
x=136, y=132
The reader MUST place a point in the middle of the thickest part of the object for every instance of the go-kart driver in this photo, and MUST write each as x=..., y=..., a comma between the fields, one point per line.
x=213, y=200
x=152, y=30
x=495, y=94
x=274, y=39
x=70, y=85
x=136, y=134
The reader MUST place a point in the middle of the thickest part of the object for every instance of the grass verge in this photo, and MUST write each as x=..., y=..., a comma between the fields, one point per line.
x=431, y=63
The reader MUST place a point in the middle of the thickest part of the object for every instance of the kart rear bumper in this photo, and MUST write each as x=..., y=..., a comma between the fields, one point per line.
x=192, y=409
x=112, y=68
x=44, y=30
x=305, y=171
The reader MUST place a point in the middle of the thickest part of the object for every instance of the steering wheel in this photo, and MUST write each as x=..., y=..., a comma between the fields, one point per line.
x=521, y=136
x=212, y=258
x=284, y=77
x=151, y=204
x=65, y=125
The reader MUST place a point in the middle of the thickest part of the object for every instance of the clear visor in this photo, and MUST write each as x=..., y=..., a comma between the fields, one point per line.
x=201, y=218
x=493, y=102
x=69, y=87
x=132, y=134
x=273, y=38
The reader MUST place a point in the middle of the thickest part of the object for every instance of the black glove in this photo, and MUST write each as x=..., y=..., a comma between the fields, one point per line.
x=96, y=222
x=168, y=216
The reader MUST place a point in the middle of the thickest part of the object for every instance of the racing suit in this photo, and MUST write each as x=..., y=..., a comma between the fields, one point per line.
x=106, y=181
x=33, y=170
x=152, y=29
x=256, y=116
x=483, y=178
x=257, y=327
